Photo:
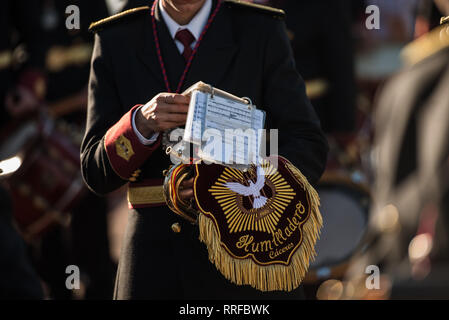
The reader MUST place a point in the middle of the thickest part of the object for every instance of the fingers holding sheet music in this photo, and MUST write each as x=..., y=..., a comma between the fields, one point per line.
x=164, y=111
x=173, y=98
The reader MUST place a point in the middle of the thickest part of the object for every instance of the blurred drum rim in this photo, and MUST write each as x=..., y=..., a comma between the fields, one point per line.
x=341, y=178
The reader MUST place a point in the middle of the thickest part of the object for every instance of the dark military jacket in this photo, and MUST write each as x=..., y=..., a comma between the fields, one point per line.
x=245, y=52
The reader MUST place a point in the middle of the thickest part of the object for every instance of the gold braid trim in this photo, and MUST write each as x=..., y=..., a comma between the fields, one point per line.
x=95, y=26
x=444, y=20
x=272, y=277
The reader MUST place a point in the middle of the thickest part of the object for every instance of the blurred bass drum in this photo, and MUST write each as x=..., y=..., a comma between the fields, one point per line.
x=40, y=163
x=344, y=208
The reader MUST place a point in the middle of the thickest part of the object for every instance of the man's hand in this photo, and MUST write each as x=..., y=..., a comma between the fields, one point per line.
x=165, y=111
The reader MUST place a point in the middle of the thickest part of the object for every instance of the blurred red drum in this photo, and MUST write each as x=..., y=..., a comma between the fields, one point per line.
x=42, y=170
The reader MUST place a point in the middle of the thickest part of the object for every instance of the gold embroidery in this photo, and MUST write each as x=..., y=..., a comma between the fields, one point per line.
x=124, y=148
x=263, y=218
x=275, y=270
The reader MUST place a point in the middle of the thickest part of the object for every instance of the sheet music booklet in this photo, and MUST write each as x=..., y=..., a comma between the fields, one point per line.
x=225, y=128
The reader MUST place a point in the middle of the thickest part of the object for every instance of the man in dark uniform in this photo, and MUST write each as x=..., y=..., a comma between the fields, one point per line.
x=411, y=193
x=242, y=49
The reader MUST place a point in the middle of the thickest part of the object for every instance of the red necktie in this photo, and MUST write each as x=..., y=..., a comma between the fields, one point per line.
x=186, y=38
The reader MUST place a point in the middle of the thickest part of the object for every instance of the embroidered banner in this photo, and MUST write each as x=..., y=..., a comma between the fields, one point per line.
x=260, y=226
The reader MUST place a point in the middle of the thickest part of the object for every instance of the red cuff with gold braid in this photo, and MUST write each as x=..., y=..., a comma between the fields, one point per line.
x=125, y=152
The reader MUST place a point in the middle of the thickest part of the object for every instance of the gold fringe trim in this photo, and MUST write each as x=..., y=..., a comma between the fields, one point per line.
x=273, y=277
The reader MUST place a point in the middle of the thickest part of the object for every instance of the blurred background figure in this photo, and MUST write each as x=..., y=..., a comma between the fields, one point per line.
x=364, y=60
x=324, y=55
x=397, y=20
x=45, y=95
x=18, y=278
x=409, y=231
x=378, y=50
x=83, y=242
x=428, y=15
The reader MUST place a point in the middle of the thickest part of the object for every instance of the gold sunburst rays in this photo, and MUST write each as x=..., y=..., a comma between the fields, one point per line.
x=239, y=218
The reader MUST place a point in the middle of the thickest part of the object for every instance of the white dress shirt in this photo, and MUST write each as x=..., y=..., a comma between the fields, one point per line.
x=195, y=26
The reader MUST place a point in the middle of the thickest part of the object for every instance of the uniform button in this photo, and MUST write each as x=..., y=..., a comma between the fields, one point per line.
x=176, y=227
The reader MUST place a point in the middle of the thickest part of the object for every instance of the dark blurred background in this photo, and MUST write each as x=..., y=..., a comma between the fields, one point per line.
x=378, y=93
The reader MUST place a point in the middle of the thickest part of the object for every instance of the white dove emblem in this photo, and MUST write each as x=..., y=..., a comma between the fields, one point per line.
x=252, y=190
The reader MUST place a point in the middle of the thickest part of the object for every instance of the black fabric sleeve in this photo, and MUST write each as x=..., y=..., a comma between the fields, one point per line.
x=104, y=110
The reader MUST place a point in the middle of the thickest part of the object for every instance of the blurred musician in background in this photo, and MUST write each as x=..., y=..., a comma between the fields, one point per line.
x=67, y=63
x=429, y=15
x=21, y=86
x=18, y=279
x=49, y=90
x=409, y=229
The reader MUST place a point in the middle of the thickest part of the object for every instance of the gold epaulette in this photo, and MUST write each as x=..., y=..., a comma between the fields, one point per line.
x=444, y=20
x=276, y=13
x=426, y=46
x=95, y=26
